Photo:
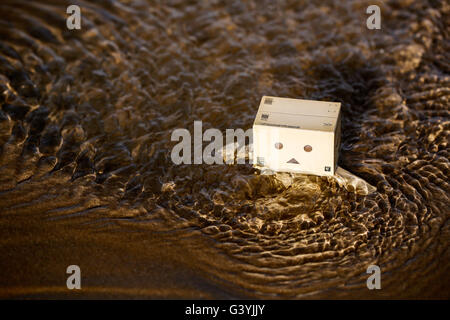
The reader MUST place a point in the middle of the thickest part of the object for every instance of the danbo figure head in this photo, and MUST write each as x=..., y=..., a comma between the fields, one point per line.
x=294, y=135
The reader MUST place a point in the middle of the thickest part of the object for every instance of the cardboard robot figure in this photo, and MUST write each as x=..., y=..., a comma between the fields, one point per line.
x=294, y=135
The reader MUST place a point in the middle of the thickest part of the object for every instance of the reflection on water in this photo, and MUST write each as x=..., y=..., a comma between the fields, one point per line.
x=86, y=118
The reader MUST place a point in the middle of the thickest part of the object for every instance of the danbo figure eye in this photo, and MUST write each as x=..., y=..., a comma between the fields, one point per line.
x=307, y=148
x=278, y=145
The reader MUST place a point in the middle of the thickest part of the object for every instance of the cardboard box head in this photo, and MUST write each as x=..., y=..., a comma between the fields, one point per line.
x=294, y=135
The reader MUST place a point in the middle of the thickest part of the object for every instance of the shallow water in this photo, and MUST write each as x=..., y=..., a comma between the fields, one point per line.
x=86, y=176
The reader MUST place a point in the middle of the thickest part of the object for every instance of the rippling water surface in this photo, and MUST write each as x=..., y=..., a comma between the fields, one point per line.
x=86, y=176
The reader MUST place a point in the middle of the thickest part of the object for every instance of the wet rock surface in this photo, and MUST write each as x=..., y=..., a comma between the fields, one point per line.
x=86, y=118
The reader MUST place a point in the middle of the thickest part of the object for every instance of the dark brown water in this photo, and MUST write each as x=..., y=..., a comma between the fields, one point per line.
x=86, y=176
